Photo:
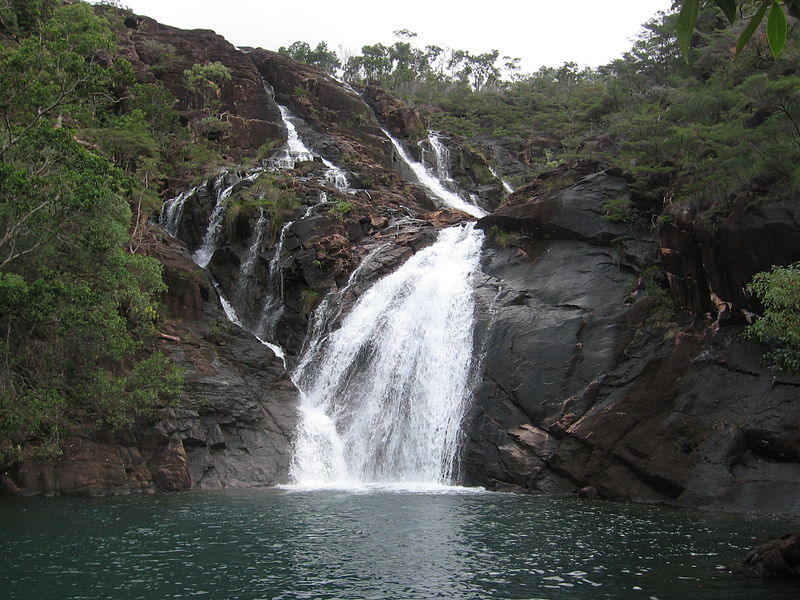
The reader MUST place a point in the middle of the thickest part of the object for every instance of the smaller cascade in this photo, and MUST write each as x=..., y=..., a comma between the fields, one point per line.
x=273, y=304
x=172, y=212
x=506, y=186
x=246, y=270
x=336, y=176
x=442, y=156
x=296, y=151
x=433, y=184
x=230, y=313
x=202, y=256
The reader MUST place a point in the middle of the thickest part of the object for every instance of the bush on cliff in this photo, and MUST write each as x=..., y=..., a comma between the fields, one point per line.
x=779, y=292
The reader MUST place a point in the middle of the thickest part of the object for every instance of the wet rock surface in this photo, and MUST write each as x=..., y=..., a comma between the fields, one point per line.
x=583, y=388
x=775, y=558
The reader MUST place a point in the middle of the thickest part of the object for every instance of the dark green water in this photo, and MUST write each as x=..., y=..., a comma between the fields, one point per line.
x=280, y=544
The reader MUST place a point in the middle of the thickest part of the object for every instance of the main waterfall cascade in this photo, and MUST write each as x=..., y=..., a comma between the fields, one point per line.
x=383, y=396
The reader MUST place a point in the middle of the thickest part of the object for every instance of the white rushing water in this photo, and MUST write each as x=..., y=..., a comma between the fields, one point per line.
x=432, y=183
x=384, y=395
x=506, y=186
x=441, y=156
x=202, y=256
x=296, y=151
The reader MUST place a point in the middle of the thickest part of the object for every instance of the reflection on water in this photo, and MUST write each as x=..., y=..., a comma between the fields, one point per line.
x=288, y=544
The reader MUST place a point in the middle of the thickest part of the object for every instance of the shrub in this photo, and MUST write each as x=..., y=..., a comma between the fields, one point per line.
x=779, y=292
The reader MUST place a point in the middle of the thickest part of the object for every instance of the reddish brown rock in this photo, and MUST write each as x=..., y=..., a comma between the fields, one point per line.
x=401, y=120
x=253, y=118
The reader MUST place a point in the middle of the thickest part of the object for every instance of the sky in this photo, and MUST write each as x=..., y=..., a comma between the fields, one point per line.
x=540, y=32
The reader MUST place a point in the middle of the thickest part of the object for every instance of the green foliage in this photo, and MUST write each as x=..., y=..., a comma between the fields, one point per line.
x=77, y=310
x=777, y=26
x=60, y=69
x=620, y=210
x=503, y=238
x=161, y=56
x=321, y=56
x=779, y=292
x=205, y=83
x=268, y=193
x=340, y=208
x=20, y=17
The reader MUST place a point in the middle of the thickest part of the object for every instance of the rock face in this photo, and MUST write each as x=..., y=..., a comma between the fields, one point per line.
x=710, y=264
x=584, y=388
x=343, y=128
x=233, y=426
x=160, y=52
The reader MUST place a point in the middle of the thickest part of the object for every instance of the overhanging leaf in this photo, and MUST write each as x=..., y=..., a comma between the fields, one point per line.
x=686, y=21
x=751, y=27
x=776, y=29
x=729, y=8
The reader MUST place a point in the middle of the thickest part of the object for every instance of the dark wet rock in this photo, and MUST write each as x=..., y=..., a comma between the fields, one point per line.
x=710, y=264
x=400, y=119
x=776, y=558
x=583, y=388
x=352, y=136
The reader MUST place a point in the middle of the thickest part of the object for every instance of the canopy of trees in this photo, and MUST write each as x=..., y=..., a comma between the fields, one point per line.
x=77, y=306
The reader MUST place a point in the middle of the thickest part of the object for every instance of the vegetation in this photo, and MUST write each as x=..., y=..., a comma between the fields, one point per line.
x=321, y=56
x=779, y=292
x=78, y=308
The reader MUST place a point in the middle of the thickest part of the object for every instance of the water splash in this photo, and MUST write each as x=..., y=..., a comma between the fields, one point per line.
x=384, y=395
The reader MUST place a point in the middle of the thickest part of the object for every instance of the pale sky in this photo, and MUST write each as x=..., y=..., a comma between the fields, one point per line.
x=540, y=32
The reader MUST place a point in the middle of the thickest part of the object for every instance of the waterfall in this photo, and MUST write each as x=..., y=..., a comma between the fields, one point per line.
x=442, y=156
x=202, y=256
x=172, y=212
x=433, y=184
x=230, y=313
x=272, y=309
x=246, y=270
x=296, y=151
x=506, y=186
x=384, y=395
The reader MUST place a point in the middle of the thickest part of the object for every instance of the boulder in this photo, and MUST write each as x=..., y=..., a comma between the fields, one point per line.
x=775, y=558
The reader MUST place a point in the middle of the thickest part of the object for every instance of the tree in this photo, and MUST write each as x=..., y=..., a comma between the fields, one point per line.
x=77, y=310
x=63, y=66
x=205, y=83
x=320, y=57
x=777, y=26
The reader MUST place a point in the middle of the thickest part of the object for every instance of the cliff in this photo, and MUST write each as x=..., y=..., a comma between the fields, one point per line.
x=611, y=356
